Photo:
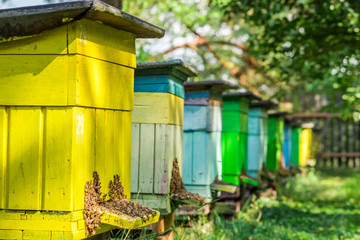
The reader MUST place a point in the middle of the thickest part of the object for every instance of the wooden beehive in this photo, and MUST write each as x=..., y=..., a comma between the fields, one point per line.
x=66, y=95
x=202, y=162
x=157, y=130
x=275, y=140
x=295, y=144
x=234, y=134
x=304, y=146
x=287, y=144
x=257, y=136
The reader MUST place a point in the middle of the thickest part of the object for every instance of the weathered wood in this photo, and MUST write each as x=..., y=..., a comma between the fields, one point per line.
x=146, y=158
x=135, y=152
x=3, y=153
x=332, y=140
x=340, y=155
x=202, y=118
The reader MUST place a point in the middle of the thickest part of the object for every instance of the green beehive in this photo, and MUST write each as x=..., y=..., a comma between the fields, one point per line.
x=66, y=96
x=295, y=144
x=235, y=134
x=275, y=140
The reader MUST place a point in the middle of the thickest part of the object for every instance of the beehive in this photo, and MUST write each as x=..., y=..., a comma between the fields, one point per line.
x=304, y=146
x=257, y=137
x=287, y=144
x=66, y=95
x=275, y=140
x=234, y=134
x=295, y=144
x=157, y=130
x=202, y=162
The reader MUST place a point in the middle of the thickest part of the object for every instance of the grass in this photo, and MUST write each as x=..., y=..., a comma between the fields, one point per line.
x=323, y=204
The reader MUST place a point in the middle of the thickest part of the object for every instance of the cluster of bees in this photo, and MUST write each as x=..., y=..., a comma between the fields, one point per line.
x=177, y=188
x=96, y=203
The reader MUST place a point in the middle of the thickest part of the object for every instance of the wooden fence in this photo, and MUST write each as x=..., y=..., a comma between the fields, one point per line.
x=335, y=142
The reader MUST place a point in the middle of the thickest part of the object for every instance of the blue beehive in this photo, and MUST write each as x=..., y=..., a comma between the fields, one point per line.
x=257, y=136
x=202, y=135
x=287, y=145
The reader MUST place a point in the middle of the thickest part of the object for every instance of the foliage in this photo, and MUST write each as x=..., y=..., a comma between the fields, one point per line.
x=310, y=43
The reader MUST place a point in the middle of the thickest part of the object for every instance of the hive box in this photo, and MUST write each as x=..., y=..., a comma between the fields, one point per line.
x=295, y=145
x=275, y=140
x=287, y=144
x=157, y=130
x=202, y=162
x=66, y=95
x=234, y=134
x=257, y=136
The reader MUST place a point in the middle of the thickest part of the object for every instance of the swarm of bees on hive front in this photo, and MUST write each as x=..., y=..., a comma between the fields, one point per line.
x=96, y=203
x=177, y=187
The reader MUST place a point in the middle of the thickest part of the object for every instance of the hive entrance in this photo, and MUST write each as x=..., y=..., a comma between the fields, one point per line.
x=96, y=203
x=177, y=187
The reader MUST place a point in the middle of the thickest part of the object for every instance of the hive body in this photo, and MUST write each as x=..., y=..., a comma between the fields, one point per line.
x=287, y=145
x=157, y=131
x=66, y=96
x=304, y=146
x=295, y=143
x=275, y=142
x=202, y=135
x=257, y=140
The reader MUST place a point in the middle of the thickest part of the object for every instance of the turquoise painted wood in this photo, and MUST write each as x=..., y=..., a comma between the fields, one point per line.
x=287, y=145
x=154, y=144
x=202, y=160
x=257, y=140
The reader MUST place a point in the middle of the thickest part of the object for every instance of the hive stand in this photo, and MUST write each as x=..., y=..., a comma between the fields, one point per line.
x=234, y=146
x=275, y=141
x=157, y=132
x=66, y=95
x=202, y=162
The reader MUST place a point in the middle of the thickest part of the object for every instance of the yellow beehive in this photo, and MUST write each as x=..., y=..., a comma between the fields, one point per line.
x=66, y=95
x=305, y=146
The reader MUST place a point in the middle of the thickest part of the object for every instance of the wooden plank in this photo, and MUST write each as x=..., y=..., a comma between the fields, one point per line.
x=339, y=140
x=57, y=191
x=158, y=108
x=97, y=40
x=10, y=234
x=196, y=118
x=53, y=41
x=97, y=87
x=347, y=140
x=33, y=80
x=3, y=154
x=325, y=139
x=230, y=121
x=332, y=139
x=25, y=158
x=313, y=115
x=123, y=148
x=36, y=234
x=39, y=225
x=340, y=155
x=135, y=154
x=162, y=159
x=201, y=167
x=109, y=150
x=146, y=172
x=203, y=101
x=158, y=202
x=159, y=83
x=100, y=136
x=178, y=145
x=188, y=157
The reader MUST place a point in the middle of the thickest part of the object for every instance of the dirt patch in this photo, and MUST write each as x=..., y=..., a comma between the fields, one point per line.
x=116, y=203
x=177, y=187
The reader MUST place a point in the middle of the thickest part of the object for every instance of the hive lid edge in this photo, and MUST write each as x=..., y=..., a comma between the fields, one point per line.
x=178, y=64
x=32, y=20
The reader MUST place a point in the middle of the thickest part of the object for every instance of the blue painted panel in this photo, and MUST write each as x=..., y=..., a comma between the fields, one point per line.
x=202, y=155
x=159, y=83
x=202, y=118
x=287, y=146
x=202, y=190
x=254, y=155
x=197, y=94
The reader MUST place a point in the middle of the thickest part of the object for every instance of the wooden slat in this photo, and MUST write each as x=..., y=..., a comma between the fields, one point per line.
x=57, y=178
x=97, y=40
x=158, y=108
x=178, y=145
x=188, y=157
x=313, y=115
x=25, y=158
x=340, y=155
x=3, y=154
x=124, y=147
x=135, y=153
x=203, y=101
x=146, y=172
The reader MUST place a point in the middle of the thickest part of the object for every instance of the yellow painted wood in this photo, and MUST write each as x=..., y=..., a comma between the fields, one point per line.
x=24, y=158
x=50, y=80
x=33, y=80
x=68, y=235
x=38, y=225
x=10, y=234
x=47, y=215
x=49, y=42
x=3, y=153
x=304, y=146
x=85, y=37
x=100, y=41
x=101, y=84
x=127, y=222
x=36, y=235
x=158, y=108
x=11, y=214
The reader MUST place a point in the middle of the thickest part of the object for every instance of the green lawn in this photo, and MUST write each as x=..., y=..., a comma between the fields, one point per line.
x=321, y=205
